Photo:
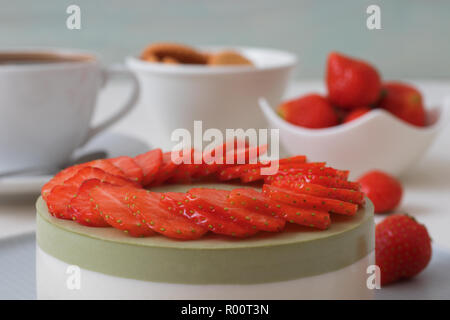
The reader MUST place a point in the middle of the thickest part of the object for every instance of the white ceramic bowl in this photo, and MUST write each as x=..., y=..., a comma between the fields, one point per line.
x=222, y=97
x=376, y=140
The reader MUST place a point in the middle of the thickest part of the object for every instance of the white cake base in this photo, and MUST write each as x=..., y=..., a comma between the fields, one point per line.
x=54, y=278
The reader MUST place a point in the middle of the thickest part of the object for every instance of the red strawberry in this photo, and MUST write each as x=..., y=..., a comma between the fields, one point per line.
x=199, y=213
x=283, y=169
x=147, y=206
x=228, y=154
x=150, y=163
x=292, y=169
x=58, y=179
x=131, y=169
x=209, y=166
x=309, y=169
x=309, y=111
x=309, y=202
x=68, y=173
x=330, y=182
x=175, y=203
x=106, y=166
x=215, y=203
x=294, y=159
x=405, y=102
x=382, y=189
x=356, y=113
x=312, y=218
x=59, y=203
x=235, y=172
x=351, y=83
x=253, y=200
x=166, y=170
x=244, y=155
x=109, y=201
x=58, y=200
x=83, y=210
x=210, y=157
x=188, y=169
x=77, y=209
x=87, y=173
x=402, y=248
x=316, y=190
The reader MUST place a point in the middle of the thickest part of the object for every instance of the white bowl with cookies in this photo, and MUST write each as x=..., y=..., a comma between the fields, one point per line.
x=219, y=86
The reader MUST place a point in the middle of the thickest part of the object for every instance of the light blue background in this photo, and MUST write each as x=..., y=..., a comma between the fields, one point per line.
x=414, y=41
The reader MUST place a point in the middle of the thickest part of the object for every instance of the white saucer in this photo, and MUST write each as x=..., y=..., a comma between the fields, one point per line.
x=115, y=144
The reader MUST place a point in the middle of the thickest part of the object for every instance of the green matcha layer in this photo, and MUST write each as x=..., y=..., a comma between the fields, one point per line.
x=267, y=257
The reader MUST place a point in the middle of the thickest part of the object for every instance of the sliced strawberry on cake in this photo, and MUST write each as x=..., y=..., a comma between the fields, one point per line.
x=252, y=172
x=175, y=203
x=187, y=170
x=69, y=172
x=302, y=169
x=108, y=200
x=58, y=200
x=96, y=173
x=347, y=195
x=312, y=218
x=129, y=166
x=283, y=169
x=309, y=202
x=106, y=166
x=216, y=202
x=59, y=179
x=236, y=172
x=166, y=170
x=150, y=163
x=59, y=203
x=330, y=182
x=246, y=155
x=170, y=223
x=253, y=200
x=204, y=216
x=83, y=210
x=228, y=154
x=212, y=158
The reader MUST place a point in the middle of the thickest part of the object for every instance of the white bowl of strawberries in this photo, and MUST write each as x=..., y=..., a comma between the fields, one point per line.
x=362, y=124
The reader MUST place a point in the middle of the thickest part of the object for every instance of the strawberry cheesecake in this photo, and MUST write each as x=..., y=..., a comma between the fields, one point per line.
x=149, y=228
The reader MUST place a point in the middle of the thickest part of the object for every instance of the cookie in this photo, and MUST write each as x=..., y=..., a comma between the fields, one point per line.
x=228, y=57
x=150, y=58
x=170, y=60
x=179, y=52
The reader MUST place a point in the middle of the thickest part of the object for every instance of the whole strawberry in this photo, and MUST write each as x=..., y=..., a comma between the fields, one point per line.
x=356, y=113
x=402, y=248
x=405, y=102
x=382, y=189
x=351, y=83
x=309, y=111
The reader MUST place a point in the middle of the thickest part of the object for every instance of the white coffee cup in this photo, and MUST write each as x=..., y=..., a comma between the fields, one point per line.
x=47, y=99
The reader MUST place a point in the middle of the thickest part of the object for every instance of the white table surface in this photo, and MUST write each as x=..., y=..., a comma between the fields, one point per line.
x=426, y=186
